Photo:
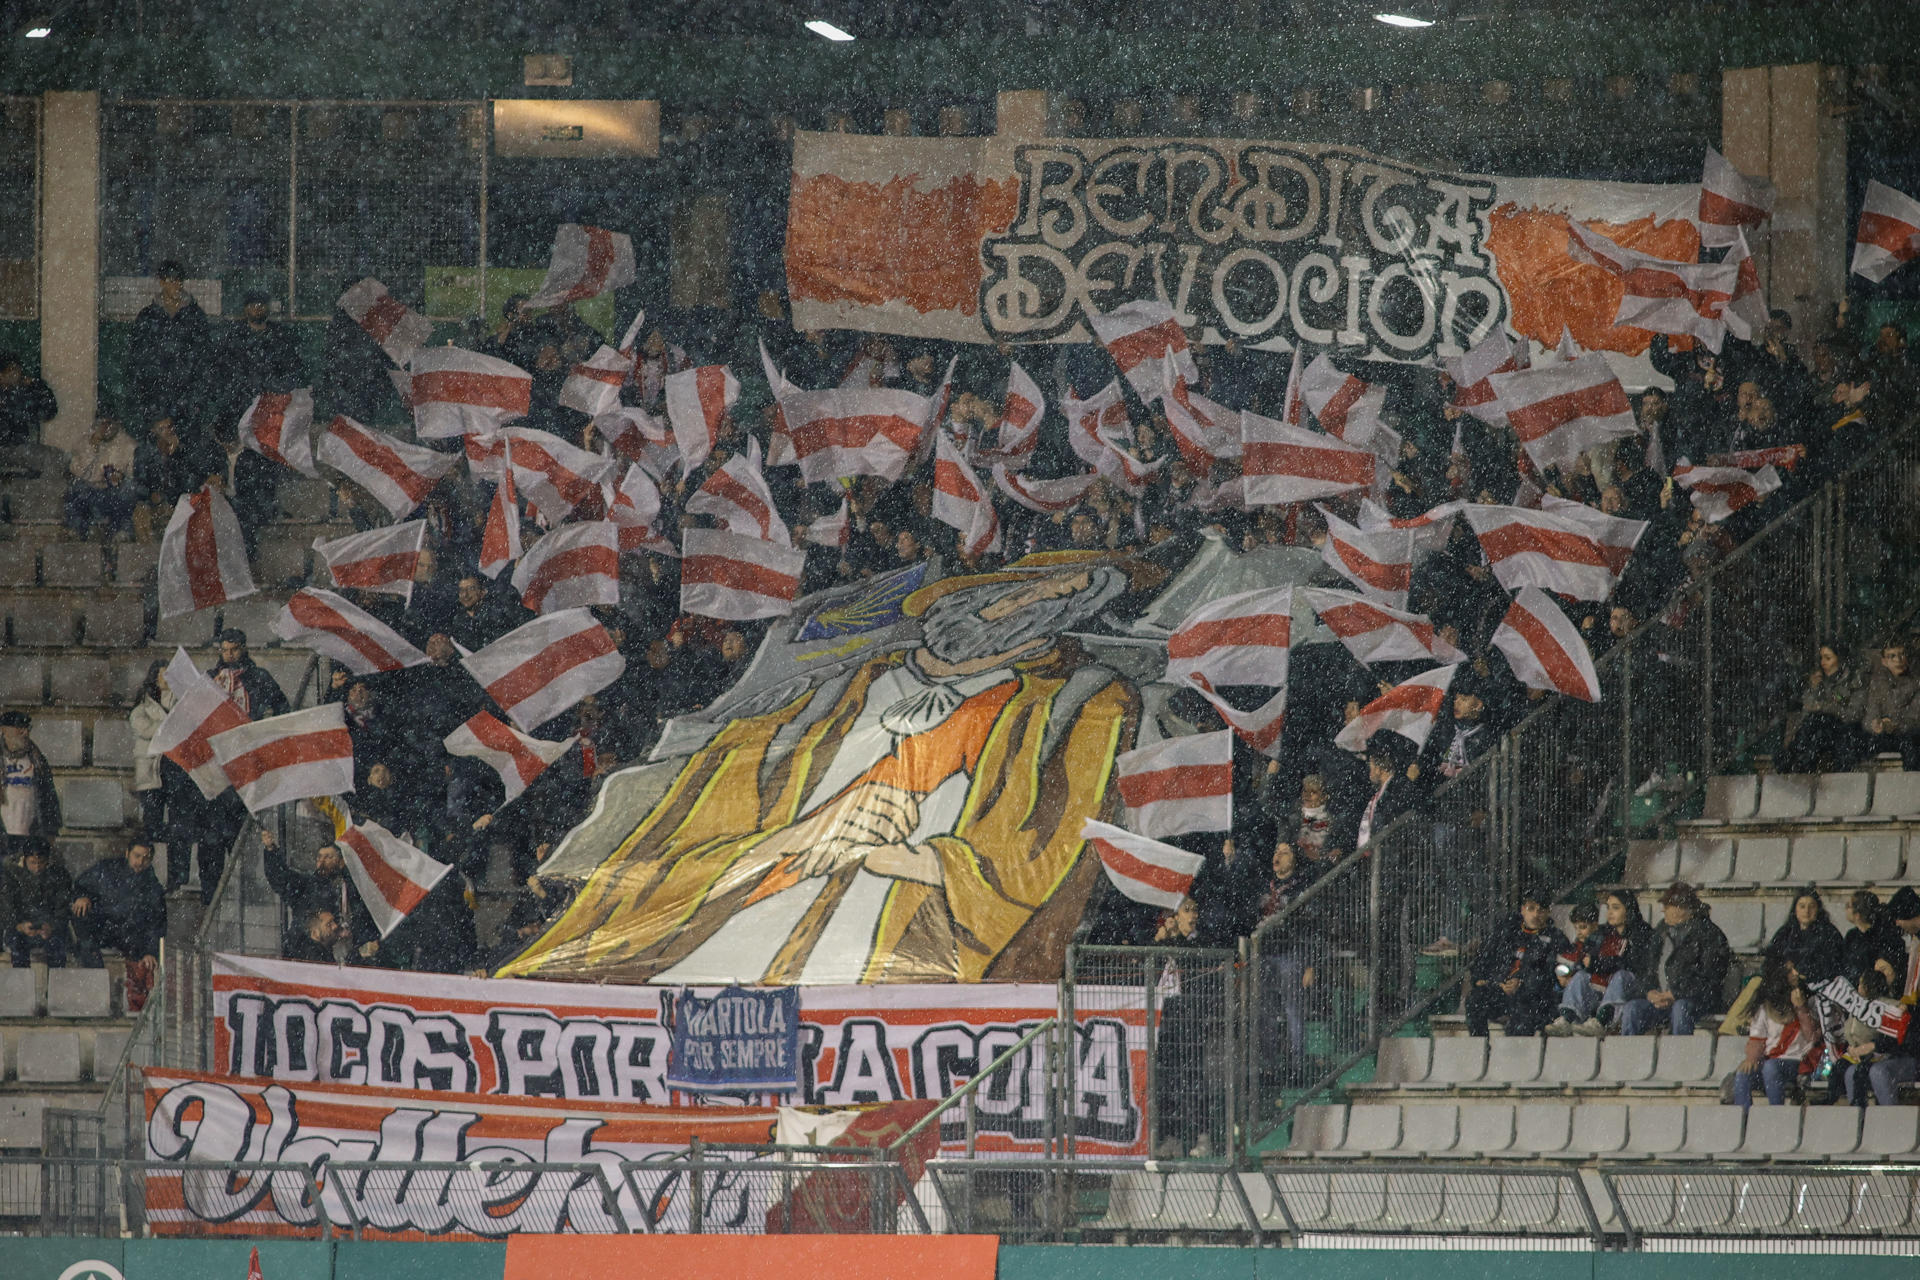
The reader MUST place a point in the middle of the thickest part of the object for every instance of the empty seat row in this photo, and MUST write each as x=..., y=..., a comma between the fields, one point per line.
x=1811, y=797
x=1770, y=861
x=1535, y=1064
x=63, y=993
x=1603, y=1130
x=116, y=623
x=69, y=680
x=95, y=804
x=64, y=742
x=78, y=565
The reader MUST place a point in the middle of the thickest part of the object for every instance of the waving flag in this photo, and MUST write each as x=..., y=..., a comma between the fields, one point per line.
x=571, y=567
x=960, y=501
x=1889, y=232
x=586, y=263
x=398, y=476
x=1747, y=312
x=698, y=401
x=1374, y=633
x=1178, y=785
x=399, y=330
x=1018, y=430
x=830, y=531
x=290, y=757
x=737, y=495
x=1472, y=375
x=1378, y=561
x=279, y=425
x=543, y=667
x=382, y=560
x=1342, y=404
x=1105, y=407
x=1730, y=202
x=392, y=876
x=726, y=575
x=517, y=758
x=593, y=386
x=457, y=392
x=201, y=709
x=1144, y=870
x=1284, y=464
x=1544, y=648
x=1432, y=529
x=500, y=539
x=203, y=557
x=1561, y=410
x=856, y=431
x=1661, y=296
x=331, y=625
x=1119, y=463
x=638, y=436
x=1149, y=346
x=1409, y=710
x=1563, y=547
x=554, y=476
x=633, y=508
x=1203, y=430
x=1241, y=639
x=1718, y=492
x=1044, y=496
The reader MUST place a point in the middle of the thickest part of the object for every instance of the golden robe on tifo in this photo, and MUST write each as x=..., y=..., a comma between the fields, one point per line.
x=1030, y=746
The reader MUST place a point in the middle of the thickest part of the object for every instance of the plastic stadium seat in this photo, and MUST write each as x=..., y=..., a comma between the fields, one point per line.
x=112, y=744
x=118, y=623
x=1775, y=1131
x=133, y=562
x=92, y=803
x=18, y=998
x=1569, y=1060
x=1704, y=860
x=71, y=564
x=1731, y=798
x=1896, y=795
x=1623, y=1060
x=1785, y=796
x=1742, y=922
x=306, y=500
x=61, y=741
x=192, y=630
x=17, y=564
x=1650, y=862
x=1456, y=1060
x=1872, y=859
x=1403, y=1059
x=46, y=623
x=1729, y=1051
x=1881, y=1204
x=255, y=617
x=1470, y=1201
x=1317, y=1128
x=1510, y=1060
x=1486, y=1129
x=1765, y=1202
x=22, y=680
x=1825, y=1132
x=41, y=501
x=1712, y=1130
x=1818, y=859
x=86, y=682
x=1678, y=1061
x=1372, y=1127
x=1655, y=1128
x=1414, y=1199
x=1890, y=1132
x=1760, y=860
x=1429, y=1129
x=1841, y=795
x=47, y=1056
x=1774, y=913
x=1703, y=1202
x=1542, y=1128
x=79, y=993
x=1599, y=1129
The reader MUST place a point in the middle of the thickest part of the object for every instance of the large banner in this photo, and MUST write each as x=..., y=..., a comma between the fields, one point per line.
x=493, y=1039
x=1270, y=244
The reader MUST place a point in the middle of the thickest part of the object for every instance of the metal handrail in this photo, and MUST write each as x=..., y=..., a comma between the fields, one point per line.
x=966, y=1091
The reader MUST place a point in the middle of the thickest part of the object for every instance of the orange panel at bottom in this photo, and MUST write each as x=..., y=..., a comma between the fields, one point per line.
x=848, y=1257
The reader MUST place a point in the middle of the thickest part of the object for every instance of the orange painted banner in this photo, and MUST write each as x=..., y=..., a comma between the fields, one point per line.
x=732, y=1257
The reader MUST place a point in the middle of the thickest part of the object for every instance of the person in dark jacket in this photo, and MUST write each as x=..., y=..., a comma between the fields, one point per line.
x=25, y=405
x=327, y=887
x=1619, y=948
x=168, y=351
x=38, y=892
x=312, y=939
x=119, y=903
x=1290, y=959
x=247, y=685
x=1689, y=967
x=1829, y=737
x=29, y=802
x=1810, y=939
x=1873, y=937
x=173, y=461
x=539, y=899
x=1512, y=975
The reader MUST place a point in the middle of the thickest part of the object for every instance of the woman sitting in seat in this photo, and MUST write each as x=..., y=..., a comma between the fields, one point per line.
x=1783, y=1041
x=1810, y=939
x=1830, y=738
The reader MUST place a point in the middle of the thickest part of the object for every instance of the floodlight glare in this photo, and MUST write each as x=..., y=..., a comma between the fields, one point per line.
x=827, y=31
x=39, y=33
x=1401, y=20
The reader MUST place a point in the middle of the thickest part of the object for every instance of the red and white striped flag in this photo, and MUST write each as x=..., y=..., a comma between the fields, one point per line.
x=1342, y=404
x=1144, y=870
x=279, y=425
x=1119, y=463
x=1747, y=312
x=1718, y=492
x=1889, y=232
x=1544, y=648
x=1431, y=529
x=457, y=392
x=1105, y=407
x=398, y=476
x=517, y=758
x=1409, y=710
x=849, y=431
x=959, y=500
x=1203, y=430
x=1237, y=639
x=830, y=531
x=392, y=876
x=201, y=709
x=1788, y=456
x=398, y=329
x=290, y=757
x=1576, y=553
x=203, y=557
x=593, y=386
x=553, y=476
x=1661, y=296
x=698, y=401
x=736, y=494
x=500, y=539
x=1374, y=633
x=1471, y=373
x=1044, y=496
x=638, y=436
x=571, y=567
x=1285, y=464
x=726, y=575
x=586, y=262
x=1561, y=410
x=1149, y=346
x=1730, y=201
x=343, y=631
x=634, y=507
x=1018, y=430
x=381, y=560
x=1293, y=409
x=1178, y=785
x=543, y=667
x=1378, y=561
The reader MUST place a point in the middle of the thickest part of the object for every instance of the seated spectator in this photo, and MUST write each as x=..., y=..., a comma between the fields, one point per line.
x=1688, y=976
x=1892, y=715
x=121, y=905
x=1783, y=1043
x=172, y=462
x=1579, y=995
x=1901, y=1064
x=1874, y=937
x=1866, y=1048
x=1512, y=976
x=1830, y=737
x=1608, y=958
x=38, y=892
x=1809, y=939
x=100, y=488
x=26, y=404
x=314, y=940
x=30, y=807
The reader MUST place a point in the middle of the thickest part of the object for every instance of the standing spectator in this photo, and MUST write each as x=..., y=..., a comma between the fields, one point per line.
x=1689, y=974
x=247, y=685
x=1512, y=976
x=1809, y=939
x=100, y=487
x=1892, y=716
x=30, y=809
x=1830, y=737
x=167, y=354
x=253, y=356
x=480, y=616
x=150, y=707
x=538, y=900
x=26, y=404
x=1287, y=968
x=38, y=891
x=313, y=938
x=326, y=888
x=119, y=903
x=1783, y=1042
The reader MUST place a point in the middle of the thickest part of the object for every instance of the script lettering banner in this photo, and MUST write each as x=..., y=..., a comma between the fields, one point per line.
x=300, y=1024
x=1270, y=244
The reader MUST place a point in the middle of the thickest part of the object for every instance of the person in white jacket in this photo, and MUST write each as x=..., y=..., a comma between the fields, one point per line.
x=150, y=708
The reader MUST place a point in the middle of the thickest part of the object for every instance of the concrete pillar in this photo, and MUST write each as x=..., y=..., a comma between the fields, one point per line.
x=1776, y=123
x=1022, y=113
x=70, y=260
